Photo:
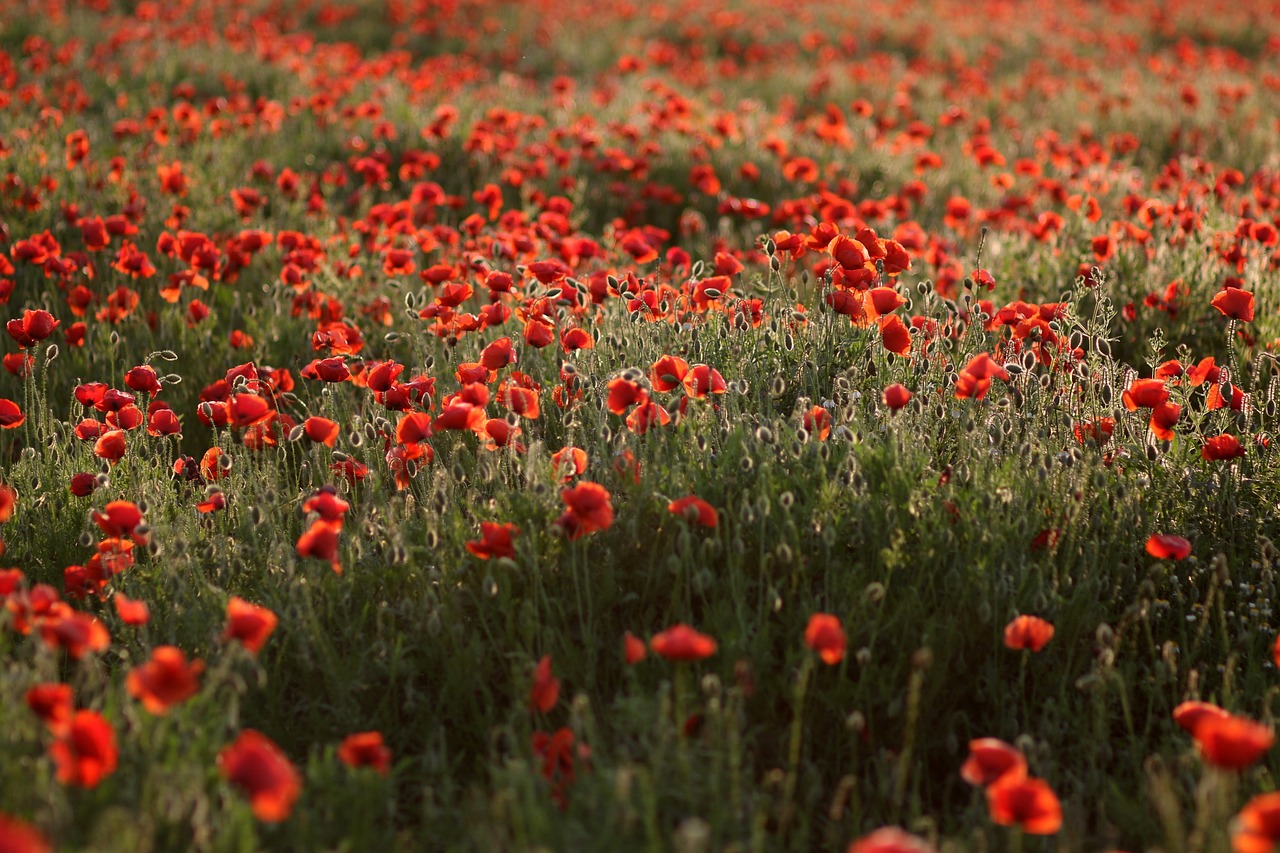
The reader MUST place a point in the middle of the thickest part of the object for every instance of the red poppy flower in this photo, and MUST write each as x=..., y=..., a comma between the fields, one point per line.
x=974, y=380
x=848, y=253
x=8, y=500
x=10, y=580
x=320, y=430
x=111, y=445
x=11, y=416
x=633, y=650
x=588, y=509
x=569, y=462
x=575, y=339
x=53, y=704
x=17, y=836
x=1223, y=447
x=498, y=354
x=702, y=380
x=164, y=422
x=557, y=754
x=894, y=335
x=545, y=692
x=682, y=643
x=78, y=633
x=82, y=485
x=1025, y=802
x=825, y=635
x=890, y=839
x=249, y=623
x=495, y=541
x=86, y=752
x=32, y=327
x=143, y=379
x=645, y=415
x=1231, y=742
x=1145, y=394
x=1028, y=632
x=668, y=373
x=165, y=680
x=1234, y=303
x=365, y=749
x=622, y=393
x=896, y=397
x=1166, y=546
x=1256, y=829
x=990, y=760
x=1163, y=419
x=320, y=541
x=130, y=611
x=1188, y=715
x=257, y=766
x=118, y=518
x=696, y=508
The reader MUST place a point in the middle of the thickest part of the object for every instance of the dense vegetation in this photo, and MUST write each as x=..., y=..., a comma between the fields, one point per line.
x=678, y=425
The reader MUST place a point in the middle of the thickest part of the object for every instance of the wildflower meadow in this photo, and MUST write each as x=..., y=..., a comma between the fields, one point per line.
x=694, y=426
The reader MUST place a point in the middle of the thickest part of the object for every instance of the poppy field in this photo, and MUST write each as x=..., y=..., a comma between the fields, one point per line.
x=462, y=425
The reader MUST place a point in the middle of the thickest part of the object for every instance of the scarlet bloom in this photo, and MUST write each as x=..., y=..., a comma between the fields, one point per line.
x=1166, y=546
x=622, y=393
x=1257, y=828
x=86, y=752
x=249, y=623
x=32, y=327
x=365, y=749
x=165, y=680
x=818, y=422
x=1220, y=448
x=11, y=416
x=1235, y=303
x=545, y=692
x=325, y=503
x=320, y=430
x=52, y=703
x=1188, y=715
x=17, y=836
x=682, y=643
x=668, y=373
x=8, y=500
x=588, y=509
x=495, y=540
x=82, y=485
x=1231, y=742
x=1026, y=802
x=255, y=765
x=78, y=633
x=498, y=354
x=569, y=462
x=633, y=650
x=896, y=396
x=1145, y=394
x=695, y=508
x=894, y=335
x=702, y=380
x=890, y=839
x=990, y=760
x=1028, y=632
x=131, y=612
x=110, y=445
x=320, y=541
x=118, y=518
x=825, y=635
